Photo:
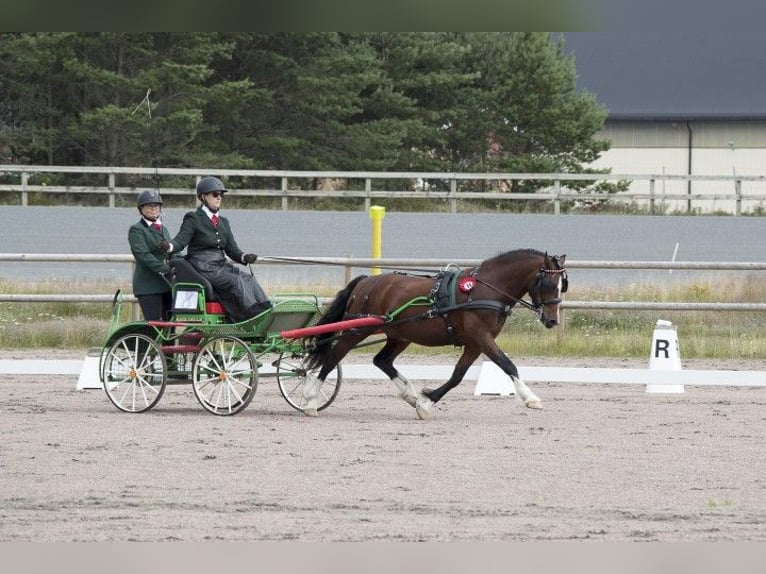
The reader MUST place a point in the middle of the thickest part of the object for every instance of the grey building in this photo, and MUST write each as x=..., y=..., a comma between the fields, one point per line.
x=681, y=101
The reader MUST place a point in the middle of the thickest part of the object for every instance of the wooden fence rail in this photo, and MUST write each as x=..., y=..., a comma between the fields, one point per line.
x=738, y=191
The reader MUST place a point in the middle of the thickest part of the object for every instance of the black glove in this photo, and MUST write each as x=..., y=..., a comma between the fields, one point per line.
x=249, y=258
x=164, y=246
x=170, y=276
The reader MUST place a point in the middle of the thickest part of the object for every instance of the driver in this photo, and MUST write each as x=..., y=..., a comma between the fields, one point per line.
x=208, y=239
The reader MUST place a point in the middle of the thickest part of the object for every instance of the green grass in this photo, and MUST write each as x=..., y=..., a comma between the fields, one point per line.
x=58, y=324
x=584, y=333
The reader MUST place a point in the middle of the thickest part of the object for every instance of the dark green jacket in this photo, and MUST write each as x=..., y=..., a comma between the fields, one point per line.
x=198, y=234
x=150, y=261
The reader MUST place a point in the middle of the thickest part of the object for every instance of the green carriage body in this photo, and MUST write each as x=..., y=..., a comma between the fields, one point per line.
x=223, y=360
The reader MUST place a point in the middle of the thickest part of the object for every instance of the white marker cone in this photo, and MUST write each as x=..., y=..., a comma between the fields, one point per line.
x=493, y=381
x=89, y=376
x=665, y=356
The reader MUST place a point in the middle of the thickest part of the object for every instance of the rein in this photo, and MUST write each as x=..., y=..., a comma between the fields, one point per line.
x=298, y=260
x=522, y=302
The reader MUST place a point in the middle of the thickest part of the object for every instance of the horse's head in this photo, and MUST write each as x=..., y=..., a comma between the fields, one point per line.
x=546, y=289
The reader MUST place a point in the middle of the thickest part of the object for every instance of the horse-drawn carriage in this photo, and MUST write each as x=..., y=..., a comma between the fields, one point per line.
x=301, y=347
x=223, y=361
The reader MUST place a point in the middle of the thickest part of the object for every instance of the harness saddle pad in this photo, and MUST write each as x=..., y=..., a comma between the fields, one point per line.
x=443, y=291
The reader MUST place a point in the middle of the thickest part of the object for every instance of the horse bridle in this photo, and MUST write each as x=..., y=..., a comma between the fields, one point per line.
x=540, y=278
x=536, y=305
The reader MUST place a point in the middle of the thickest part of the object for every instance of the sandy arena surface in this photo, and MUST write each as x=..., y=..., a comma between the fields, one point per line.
x=599, y=462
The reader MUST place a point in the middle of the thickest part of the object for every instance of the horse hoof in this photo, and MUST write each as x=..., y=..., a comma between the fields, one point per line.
x=535, y=404
x=410, y=399
x=423, y=407
x=310, y=412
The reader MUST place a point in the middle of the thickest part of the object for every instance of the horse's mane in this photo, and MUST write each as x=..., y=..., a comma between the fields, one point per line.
x=516, y=254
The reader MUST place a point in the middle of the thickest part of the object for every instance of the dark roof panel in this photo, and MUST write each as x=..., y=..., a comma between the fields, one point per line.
x=672, y=74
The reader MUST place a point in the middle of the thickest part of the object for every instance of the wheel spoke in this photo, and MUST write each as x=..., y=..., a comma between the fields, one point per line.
x=231, y=389
x=323, y=391
x=114, y=384
x=229, y=403
x=224, y=375
x=244, y=371
x=134, y=373
x=291, y=377
x=208, y=381
x=213, y=359
x=121, y=362
x=139, y=366
x=230, y=357
x=298, y=386
x=210, y=394
x=146, y=385
x=128, y=390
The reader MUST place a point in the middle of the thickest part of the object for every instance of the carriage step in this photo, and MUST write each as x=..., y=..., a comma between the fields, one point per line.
x=162, y=324
x=195, y=335
x=170, y=349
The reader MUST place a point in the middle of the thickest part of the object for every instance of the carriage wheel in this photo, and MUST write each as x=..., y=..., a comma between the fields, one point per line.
x=134, y=373
x=291, y=376
x=224, y=375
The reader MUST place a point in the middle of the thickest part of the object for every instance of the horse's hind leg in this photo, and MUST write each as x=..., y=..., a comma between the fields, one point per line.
x=384, y=360
x=313, y=383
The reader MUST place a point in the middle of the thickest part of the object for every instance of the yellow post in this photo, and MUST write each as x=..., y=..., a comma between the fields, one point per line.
x=377, y=213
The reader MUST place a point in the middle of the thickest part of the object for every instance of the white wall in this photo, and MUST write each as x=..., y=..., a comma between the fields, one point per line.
x=705, y=161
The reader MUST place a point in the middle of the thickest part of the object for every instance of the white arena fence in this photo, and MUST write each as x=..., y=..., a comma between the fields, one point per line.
x=730, y=193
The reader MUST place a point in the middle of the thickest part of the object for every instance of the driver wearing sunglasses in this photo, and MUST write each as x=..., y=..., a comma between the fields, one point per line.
x=208, y=239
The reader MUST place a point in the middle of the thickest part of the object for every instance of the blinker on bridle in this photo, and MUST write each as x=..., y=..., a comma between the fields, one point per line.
x=541, y=275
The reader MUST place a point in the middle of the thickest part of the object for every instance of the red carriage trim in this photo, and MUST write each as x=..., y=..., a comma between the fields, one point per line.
x=166, y=324
x=214, y=307
x=332, y=327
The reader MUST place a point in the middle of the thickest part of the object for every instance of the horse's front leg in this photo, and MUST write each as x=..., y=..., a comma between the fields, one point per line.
x=429, y=398
x=522, y=390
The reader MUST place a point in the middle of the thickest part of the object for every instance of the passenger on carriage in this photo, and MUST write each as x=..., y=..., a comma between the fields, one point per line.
x=151, y=284
x=208, y=239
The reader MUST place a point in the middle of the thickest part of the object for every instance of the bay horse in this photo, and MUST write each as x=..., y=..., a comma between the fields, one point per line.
x=464, y=308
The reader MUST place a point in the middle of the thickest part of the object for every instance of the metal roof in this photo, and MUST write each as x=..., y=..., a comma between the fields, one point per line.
x=680, y=73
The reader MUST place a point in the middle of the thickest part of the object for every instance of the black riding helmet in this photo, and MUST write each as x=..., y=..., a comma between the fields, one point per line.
x=208, y=184
x=148, y=196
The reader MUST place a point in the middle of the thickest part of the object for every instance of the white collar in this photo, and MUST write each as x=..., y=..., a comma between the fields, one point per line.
x=149, y=223
x=209, y=213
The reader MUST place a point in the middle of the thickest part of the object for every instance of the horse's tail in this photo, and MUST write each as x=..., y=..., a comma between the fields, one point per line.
x=334, y=313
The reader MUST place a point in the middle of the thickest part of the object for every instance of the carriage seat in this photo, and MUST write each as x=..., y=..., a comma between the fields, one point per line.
x=185, y=272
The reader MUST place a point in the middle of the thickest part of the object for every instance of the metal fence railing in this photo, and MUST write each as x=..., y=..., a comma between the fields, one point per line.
x=351, y=263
